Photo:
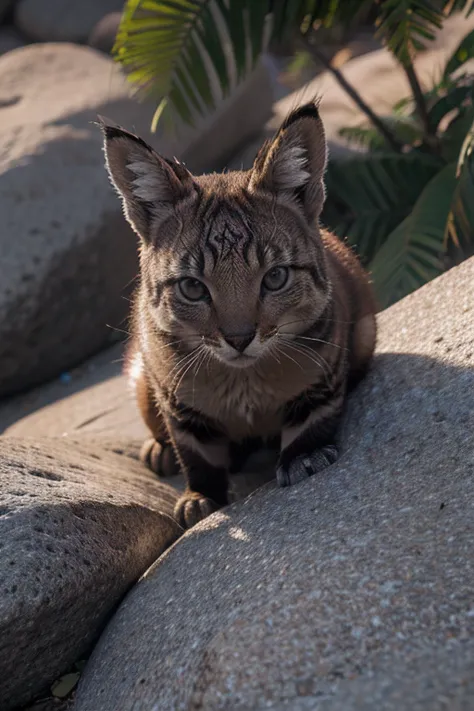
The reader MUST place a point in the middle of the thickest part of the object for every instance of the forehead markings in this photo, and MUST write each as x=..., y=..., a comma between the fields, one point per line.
x=226, y=231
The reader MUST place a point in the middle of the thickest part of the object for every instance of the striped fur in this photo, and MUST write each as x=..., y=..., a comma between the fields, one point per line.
x=225, y=360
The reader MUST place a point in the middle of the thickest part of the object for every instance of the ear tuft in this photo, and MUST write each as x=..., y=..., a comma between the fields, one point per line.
x=291, y=168
x=309, y=110
x=292, y=165
x=149, y=185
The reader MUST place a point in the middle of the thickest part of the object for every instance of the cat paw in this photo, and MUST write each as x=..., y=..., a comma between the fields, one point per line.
x=306, y=465
x=193, y=507
x=160, y=458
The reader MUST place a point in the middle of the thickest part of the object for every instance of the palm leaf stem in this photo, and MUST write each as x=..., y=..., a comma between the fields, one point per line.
x=429, y=134
x=354, y=94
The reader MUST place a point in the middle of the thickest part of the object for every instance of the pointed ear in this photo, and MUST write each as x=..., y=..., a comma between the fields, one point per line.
x=149, y=185
x=293, y=164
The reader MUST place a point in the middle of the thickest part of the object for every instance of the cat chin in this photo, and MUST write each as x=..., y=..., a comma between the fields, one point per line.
x=239, y=362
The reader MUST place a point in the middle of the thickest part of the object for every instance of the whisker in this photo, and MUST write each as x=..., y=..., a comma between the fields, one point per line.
x=320, y=340
x=182, y=361
x=119, y=330
x=309, y=353
x=305, y=320
x=281, y=352
x=272, y=347
x=313, y=357
x=202, y=355
x=310, y=338
x=186, y=370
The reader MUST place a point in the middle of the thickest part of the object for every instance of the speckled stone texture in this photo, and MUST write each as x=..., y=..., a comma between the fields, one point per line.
x=330, y=594
x=62, y=20
x=78, y=526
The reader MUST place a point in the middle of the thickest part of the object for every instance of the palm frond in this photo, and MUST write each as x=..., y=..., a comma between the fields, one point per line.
x=364, y=136
x=461, y=54
x=370, y=194
x=188, y=54
x=452, y=6
x=459, y=234
x=405, y=25
x=406, y=129
x=455, y=134
x=412, y=253
x=452, y=100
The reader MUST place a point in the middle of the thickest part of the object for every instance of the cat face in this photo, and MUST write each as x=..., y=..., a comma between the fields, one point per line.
x=232, y=263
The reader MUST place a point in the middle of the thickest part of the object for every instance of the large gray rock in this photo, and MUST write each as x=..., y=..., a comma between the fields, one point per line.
x=78, y=526
x=67, y=256
x=332, y=589
x=95, y=400
x=5, y=7
x=104, y=33
x=101, y=409
x=62, y=20
x=9, y=40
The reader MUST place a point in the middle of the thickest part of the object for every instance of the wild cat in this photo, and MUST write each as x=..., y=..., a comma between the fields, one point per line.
x=250, y=321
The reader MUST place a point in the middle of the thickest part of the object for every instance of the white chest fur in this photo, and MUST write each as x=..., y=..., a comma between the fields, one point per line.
x=248, y=403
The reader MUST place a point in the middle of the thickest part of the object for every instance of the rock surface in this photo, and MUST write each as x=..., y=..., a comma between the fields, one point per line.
x=103, y=35
x=62, y=20
x=78, y=526
x=307, y=597
x=101, y=409
x=97, y=401
x=68, y=261
x=9, y=40
x=5, y=7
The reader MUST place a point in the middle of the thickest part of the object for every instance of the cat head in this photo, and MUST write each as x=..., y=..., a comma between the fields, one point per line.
x=233, y=262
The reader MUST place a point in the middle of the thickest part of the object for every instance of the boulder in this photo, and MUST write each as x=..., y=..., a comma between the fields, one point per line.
x=5, y=7
x=104, y=33
x=67, y=257
x=92, y=400
x=9, y=39
x=98, y=407
x=328, y=594
x=78, y=526
x=62, y=20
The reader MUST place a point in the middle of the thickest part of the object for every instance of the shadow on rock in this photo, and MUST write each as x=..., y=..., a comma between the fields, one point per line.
x=295, y=592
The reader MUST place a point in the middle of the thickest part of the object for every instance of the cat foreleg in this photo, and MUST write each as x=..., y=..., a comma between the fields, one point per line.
x=307, y=447
x=205, y=464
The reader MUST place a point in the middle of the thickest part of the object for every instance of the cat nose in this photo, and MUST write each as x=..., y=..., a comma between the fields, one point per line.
x=240, y=341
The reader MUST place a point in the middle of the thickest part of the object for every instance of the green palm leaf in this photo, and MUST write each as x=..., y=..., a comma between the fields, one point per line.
x=452, y=6
x=370, y=194
x=412, y=253
x=188, y=54
x=463, y=52
x=407, y=24
x=459, y=234
x=406, y=129
x=452, y=99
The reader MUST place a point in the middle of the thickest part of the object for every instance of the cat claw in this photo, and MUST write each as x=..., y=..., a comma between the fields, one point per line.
x=305, y=466
x=192, y=507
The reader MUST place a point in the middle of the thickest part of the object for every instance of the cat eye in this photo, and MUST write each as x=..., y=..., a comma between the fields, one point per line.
x=193, y=289
x=276, y=278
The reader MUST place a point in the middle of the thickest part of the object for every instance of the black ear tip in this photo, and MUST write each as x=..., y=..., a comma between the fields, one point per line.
x=112, y=130
x=308, y=110
x=109, y=128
